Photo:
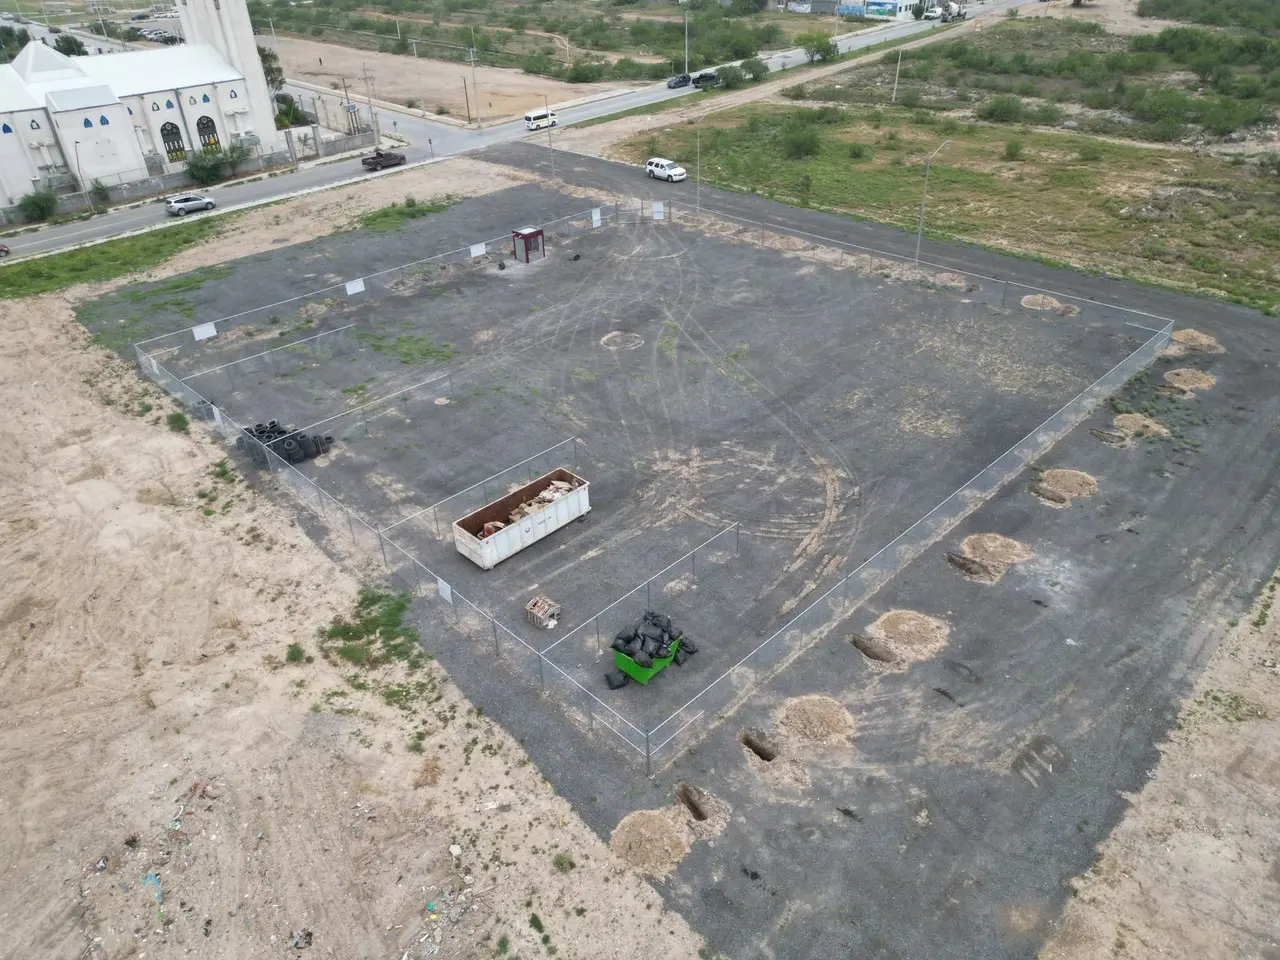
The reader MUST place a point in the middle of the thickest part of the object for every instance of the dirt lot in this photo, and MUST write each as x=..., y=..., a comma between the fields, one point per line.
x=503, y=93
x=172, y=786
x=1118, y=17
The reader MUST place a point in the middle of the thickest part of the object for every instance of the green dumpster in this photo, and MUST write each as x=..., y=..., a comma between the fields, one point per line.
x=643, y=675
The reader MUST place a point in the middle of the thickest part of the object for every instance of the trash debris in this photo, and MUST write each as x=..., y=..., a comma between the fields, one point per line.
x=131, y=841
x=100, y=865
x=549, y=495
x=541, y=611
x=300, y=940
x=616, y=679
x=208, y=925
x=644, y=649
x=151, y=880
x=455, y=851
x=289, y=444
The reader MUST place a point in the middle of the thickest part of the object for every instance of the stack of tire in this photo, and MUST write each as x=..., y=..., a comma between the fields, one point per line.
x=287, y=444
x=650, y=639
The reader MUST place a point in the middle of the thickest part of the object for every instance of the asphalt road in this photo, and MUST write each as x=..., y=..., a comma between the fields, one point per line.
x=428, y=140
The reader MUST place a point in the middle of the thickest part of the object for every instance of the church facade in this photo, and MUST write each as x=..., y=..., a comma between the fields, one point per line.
x=125, y=117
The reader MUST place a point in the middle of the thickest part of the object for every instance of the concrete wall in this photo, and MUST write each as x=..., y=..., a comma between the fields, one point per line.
x=27, y=154
x=99, y=142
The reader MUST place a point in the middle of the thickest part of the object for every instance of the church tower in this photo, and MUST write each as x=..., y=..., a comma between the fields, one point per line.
x=225, y=26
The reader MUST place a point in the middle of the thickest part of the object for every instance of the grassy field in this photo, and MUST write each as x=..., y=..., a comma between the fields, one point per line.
x=1172, y=217
x=1164, y=88
x=105, y=261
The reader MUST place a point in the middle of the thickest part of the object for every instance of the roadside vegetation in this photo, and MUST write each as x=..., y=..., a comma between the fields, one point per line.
x=106, y=261
x=566, y=39
x=1188, y=220
x=1260, y=15
x=1183, y=83
x=392, y=217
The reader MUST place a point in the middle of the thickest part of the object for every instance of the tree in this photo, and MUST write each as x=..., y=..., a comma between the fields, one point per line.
x=731, y=77
x=38, y=205
x=69, y=45
x=755, y=68
x=271, y=69
x=918, y=10
x=817, y=45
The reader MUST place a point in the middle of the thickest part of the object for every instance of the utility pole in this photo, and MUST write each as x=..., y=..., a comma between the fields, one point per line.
x=346, y=106
x=466, y=98
x=474, y=89
x=894, y=98
x=686, y=41
x=697, y=176
x=552, y=149
x=925, y=196
x=80, y=177
x=272, y=24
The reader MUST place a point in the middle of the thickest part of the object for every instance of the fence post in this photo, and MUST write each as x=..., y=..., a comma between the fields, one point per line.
x=350, y=527
x=591, y=717
x=382, y=543
x=694, y=558
x=365, y=418
x=542, y=675
x=648, y=756
x=1004, y=293
x=497, y=647
x=737, y=529
x=648, y=601
x=598, y=649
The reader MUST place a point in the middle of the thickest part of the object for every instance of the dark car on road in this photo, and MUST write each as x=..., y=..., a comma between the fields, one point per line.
x=680, y=80
x=705, y=80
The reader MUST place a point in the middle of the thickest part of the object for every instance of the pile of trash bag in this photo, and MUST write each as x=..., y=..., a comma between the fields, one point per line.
x=653, y=637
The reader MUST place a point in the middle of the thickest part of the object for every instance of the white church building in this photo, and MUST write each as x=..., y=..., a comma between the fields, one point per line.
x=135, y=116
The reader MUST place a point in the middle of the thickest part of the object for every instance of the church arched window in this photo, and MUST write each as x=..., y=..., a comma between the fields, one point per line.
x=208, y=132
x=6, y=129
x=191, y=100
x=130, y=109
x=234, y=94
x=154, y=105
x=35, y=125
x=171, y=136
x=205, y=98
x=168, y=104
x=103, y=121
x=88, y=122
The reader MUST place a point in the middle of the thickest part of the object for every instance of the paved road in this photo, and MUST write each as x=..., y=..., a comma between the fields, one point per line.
x=428, y=139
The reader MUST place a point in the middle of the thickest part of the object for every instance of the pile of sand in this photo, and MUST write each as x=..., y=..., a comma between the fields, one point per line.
x=984, y=557
x=815, y=719
x=1059, y=487
x=1139, y=425
x=902, y=636
x=1191, y=341
x=652, y=841
x=1048, y=304
x=950, y=281
x=1185, y=381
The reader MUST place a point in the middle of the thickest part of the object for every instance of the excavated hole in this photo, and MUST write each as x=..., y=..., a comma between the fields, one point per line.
x=754, y=741
x=690, y=796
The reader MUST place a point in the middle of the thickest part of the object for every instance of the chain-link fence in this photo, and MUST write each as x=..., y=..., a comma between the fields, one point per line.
x=158, y=357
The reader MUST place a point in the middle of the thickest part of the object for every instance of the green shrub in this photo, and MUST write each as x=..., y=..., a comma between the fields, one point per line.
x=950, y=125
x=98, y=190
x=1089, y=152
x=755, y=68
x=731, y=77
x=38, y=205
x=910, y=99
x=798, y=92
x=859, y=151
x=1013, y=150
x=1046, y=114
x=295, y=653
x=1001, y=109
x=563, y=862
x=799, y=142
x=178, y=422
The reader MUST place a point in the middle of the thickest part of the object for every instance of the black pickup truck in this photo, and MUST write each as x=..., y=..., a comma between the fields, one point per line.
x=382, y=158
x=706, y=80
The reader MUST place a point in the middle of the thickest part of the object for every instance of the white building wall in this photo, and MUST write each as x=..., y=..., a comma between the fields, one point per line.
x=26, y=155
x=99, y=144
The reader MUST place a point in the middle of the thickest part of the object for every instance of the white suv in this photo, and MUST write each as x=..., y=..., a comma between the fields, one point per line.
x=667, y=170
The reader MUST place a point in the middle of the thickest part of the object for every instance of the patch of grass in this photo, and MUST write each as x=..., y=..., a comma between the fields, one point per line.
x=536, y=922
x=375, y=633
x=178, y=422
x=410, y=349
x=393, y=217
x=504, y=944
x=295, y=653
x=1013, y=150
x=563, y=862
x=667, y=346
x=1232, y=707
x=359, y=390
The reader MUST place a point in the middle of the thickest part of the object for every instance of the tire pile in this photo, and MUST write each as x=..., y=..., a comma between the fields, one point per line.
x=288, y=444
x=650, y=638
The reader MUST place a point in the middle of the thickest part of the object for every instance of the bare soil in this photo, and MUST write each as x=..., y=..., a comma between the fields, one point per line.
x=815, y=719
x=1042, y=301
x=984, y=557
x=1187, y=380
x=1118, y=16
x=503, y=93
x=899, y=637
x=173, y=785
x=1190, y=873
x=1187, y=341
x=1139, y=425
x=1059, y=487
x=653, y=841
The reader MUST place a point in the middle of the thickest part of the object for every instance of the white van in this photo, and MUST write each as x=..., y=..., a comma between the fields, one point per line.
x=537, y=119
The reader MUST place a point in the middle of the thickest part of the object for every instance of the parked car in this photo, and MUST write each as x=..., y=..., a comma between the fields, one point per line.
x=667, y=170
x=55, y=29
x=4, y=251
x=382, y=158
x=184, y=204
x=140, y=16
x=680, y=80
x=705, y=80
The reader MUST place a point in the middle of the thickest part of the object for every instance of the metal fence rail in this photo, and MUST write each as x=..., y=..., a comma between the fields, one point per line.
x=693, y=719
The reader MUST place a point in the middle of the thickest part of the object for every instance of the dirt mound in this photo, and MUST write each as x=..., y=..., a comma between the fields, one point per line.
x=652, y=841
x=1048, y=304
x=1139, y=425
x=1191, y=341
x=902, y=636
x=984, y=557
x=950, y=281
x=1187, y=380
x=621, y=340
x=815, y=719
x=1059, y=487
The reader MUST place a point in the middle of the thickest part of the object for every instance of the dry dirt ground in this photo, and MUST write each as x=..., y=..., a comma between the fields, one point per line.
x=503, y=93
x=1193, y=871
x=1118, y=16
x=172, y=787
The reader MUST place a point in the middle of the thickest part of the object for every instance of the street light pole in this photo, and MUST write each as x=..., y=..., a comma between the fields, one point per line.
x=925, y=196
x=697, y=175
x=686, y=41
x=474, y=89
x=80, y=176
x=894, y=98
x=546, y=106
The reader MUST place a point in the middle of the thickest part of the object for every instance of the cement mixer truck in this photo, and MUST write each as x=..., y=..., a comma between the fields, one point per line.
x=953, y=11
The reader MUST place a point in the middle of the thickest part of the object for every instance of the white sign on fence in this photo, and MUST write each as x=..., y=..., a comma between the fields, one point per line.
x=155, y=367
x=444, y=590
x=206, y=331
x=595, y=217
x=355, y=286
x=477, y=249
x=658, y=212
x=217, y=416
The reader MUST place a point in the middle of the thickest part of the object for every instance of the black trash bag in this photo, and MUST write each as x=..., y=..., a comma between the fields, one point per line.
x=662, y=652
x=634, y=648
x=650, y=631
x=642, y=659
x=649, y=646
x=616, y=679
x=687, y=644
x=659, y=620
x=619, y=645
x=682, y=656
x=309, y=446
x=626, y=634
